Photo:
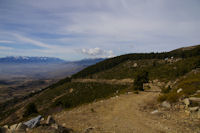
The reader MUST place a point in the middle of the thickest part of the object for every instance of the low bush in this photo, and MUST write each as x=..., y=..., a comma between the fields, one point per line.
x=162, y=98
x=173, y=97
x=170, y=97
x=30, y=109
x=141, y=78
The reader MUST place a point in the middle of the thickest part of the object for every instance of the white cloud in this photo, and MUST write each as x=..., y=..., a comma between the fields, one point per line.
x=97, y=52
x=5, y=48
x=5, y=41
x=44, y=47
x=31, y=41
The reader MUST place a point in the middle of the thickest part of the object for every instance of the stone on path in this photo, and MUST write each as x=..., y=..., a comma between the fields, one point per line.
x=166, y=104
x=50, y=120
x=33, y=122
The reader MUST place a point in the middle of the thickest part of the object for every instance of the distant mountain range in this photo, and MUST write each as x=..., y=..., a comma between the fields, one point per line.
x=41, y=67
x=27, y=59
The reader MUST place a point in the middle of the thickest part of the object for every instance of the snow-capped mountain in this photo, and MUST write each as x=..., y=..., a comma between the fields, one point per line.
x=27, y=59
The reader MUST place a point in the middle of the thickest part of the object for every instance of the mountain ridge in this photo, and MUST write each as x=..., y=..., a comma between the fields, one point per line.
x=30, y=59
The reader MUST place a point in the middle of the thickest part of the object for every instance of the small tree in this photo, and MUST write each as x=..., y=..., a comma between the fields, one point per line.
x=30, y=109
x=141, y=78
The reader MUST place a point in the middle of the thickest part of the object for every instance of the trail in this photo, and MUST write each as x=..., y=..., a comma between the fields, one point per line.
x=122, y=114
x=107, y=81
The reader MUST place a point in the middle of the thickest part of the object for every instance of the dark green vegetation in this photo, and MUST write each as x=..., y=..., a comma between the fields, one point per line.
x=157, y=69
x=141, y=78
x=30, y=109
x=82, y=93
x=87, y=92
x=189, y=85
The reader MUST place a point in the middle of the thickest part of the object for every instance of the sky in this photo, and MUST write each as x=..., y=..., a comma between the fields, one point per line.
x=78, y=29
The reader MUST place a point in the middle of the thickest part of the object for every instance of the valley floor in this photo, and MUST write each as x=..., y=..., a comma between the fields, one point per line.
x=126, y=113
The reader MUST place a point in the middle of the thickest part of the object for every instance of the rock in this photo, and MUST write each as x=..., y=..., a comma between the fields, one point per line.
x=89, y=130
x=42, y=119
x=193, y=109
x=21, y=127
x=55, y=126
x=33, y=122
x=186, y=101
x=71, y=90
x=166, y=104
x=187, y=112
x=27, y=129
x=135, y=65
x=154, y=112
x=181, y=107
x=13, y=127
x=6, y=126
x=194, y=99
x=179, y=90
x=50, y=120
x=117, y=91
x=198, y=91
x=130, y=92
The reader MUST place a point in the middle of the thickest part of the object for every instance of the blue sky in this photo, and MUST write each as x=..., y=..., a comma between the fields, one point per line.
x=77, y=29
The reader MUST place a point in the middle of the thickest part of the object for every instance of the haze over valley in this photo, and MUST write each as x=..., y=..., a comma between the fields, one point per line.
x=22, y=75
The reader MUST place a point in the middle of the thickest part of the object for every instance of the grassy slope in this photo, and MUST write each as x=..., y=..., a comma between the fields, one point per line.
x=158, y=69
x=50, y=99
x=190, y=83
x=113, y=62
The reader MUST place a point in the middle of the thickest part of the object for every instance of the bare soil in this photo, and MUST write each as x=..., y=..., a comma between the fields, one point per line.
x=127, y=113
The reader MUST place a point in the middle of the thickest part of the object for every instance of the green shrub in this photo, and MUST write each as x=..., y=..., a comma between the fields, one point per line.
x=162, y=98
x=173, y=97
x=142, y=77
x=30, y=109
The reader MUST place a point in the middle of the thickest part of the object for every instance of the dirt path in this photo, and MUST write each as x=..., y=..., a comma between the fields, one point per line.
x=123, y=114
x=107, y=81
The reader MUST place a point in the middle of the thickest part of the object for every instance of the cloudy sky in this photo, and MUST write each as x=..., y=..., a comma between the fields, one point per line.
x=77, y=29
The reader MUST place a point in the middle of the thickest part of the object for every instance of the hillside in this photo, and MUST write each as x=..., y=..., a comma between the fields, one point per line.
x=112, y=62
x=111, y=78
